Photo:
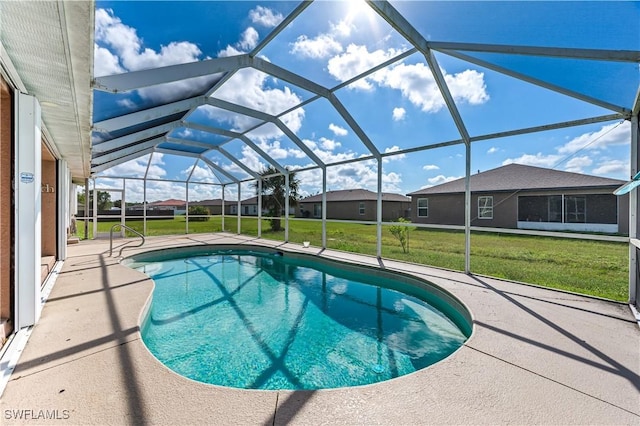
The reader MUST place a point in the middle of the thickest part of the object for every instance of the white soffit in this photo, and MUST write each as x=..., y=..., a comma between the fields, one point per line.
x=50, y=44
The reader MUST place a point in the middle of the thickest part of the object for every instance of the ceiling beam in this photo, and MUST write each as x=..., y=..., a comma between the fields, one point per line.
x=215, y=167
x=538, y=82
x=138, y=79
x=554, y=52
x=101, y=167
x=113, y=155
x=134, y=137
x=150, y=114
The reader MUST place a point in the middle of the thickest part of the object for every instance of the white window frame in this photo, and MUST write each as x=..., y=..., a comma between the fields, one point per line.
x=485, y=211
x=419, y=207
x=361, y=208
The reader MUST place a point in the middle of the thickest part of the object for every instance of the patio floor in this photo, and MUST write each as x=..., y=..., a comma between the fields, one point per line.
x=536, y=356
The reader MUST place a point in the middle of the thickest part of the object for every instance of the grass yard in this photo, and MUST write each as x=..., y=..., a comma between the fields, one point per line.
x=583, y=266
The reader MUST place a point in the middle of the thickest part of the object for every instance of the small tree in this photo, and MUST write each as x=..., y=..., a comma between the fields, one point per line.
x=401, y=232
x=274, y=189
x=200, y=211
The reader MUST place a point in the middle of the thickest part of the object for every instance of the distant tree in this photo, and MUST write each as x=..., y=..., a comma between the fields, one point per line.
x=117, y=203
x=401, y=232
x=200, y=211
x=274, y=191
x=104, y=200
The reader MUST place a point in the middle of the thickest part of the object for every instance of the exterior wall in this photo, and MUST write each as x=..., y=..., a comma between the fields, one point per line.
x=448, y=209
x=49, y=211
x=6, y=206
x=350, y=210
x=623, y=215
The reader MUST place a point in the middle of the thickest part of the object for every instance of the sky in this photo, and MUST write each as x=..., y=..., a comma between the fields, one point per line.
x=399, y=107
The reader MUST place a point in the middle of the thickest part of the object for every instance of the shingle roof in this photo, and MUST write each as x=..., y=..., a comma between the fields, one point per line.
x=214, y=202
x=168, y=203
x=517, y=177
x=355, y=195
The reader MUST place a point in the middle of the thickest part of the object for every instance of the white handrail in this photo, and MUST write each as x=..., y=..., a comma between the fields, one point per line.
x=127, y=228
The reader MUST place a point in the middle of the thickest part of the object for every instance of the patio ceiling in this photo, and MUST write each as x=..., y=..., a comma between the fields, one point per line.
x=50, y=47
x=198, y=123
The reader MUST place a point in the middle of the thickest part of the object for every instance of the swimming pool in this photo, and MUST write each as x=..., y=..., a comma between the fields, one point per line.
x=257, y=318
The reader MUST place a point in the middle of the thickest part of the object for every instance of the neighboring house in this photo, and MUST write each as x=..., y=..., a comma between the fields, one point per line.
x=249, y=207
x=355, y=204
x=177, y=206
x=214, y=206
x=526, y=197
x=171, y=204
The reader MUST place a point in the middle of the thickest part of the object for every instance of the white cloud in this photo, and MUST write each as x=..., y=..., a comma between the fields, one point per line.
x=118, y=48
x=264, y=16
x=415, y=82
x=361, y=174
x=257, y=95
x=249, y=39
x=612, y=167
x=337, y=130
x=123, y=39
x=399, y=114
x=200, y=174
x=126, y=103
x=329, y=144
x=492, y=150
x=137, y=168
x=578, y=164
x=393, y=157
x=105, y=63
x=539, y=160
x=440, y=179
x=356, y=60
x=342, y=28
x=321, y=46
x=609, y=135
x=430, y=167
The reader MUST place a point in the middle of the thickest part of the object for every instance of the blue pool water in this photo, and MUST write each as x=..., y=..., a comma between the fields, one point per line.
x=268, y=320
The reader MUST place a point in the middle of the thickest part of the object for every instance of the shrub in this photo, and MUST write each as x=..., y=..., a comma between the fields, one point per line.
x=201, y=211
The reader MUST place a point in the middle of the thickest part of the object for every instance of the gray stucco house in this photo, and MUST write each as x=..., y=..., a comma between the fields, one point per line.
x=214, y=206
x=355, y=204
x=526, y=197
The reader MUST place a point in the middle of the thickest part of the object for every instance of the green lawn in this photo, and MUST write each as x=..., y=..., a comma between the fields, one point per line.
x=582, y=266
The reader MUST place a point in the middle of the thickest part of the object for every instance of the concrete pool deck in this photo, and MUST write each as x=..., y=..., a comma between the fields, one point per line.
x=537, y=356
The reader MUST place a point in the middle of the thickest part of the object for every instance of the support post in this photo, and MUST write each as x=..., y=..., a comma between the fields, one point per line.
x=239, y=208
x=324, y=207
x=287, y=194
x=64, y=214
x=379, y=212
x=467, y=209
x=634, y=220
x=260, y=208
x=223, y=207
x=28, y=194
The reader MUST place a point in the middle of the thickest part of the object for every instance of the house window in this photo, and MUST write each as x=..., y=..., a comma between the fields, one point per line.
x=485, y=207
x=317, y=210
x=246, y=210
x=575, y=207
x=423, y=207
x=361, y=208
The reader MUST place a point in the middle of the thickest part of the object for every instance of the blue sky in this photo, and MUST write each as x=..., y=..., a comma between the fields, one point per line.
x=398, y=107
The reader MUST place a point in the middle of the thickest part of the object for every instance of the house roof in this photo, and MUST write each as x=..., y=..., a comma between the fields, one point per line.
x=520, y=177
x=355, y=195
x=169, y=203
x=214, y=202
